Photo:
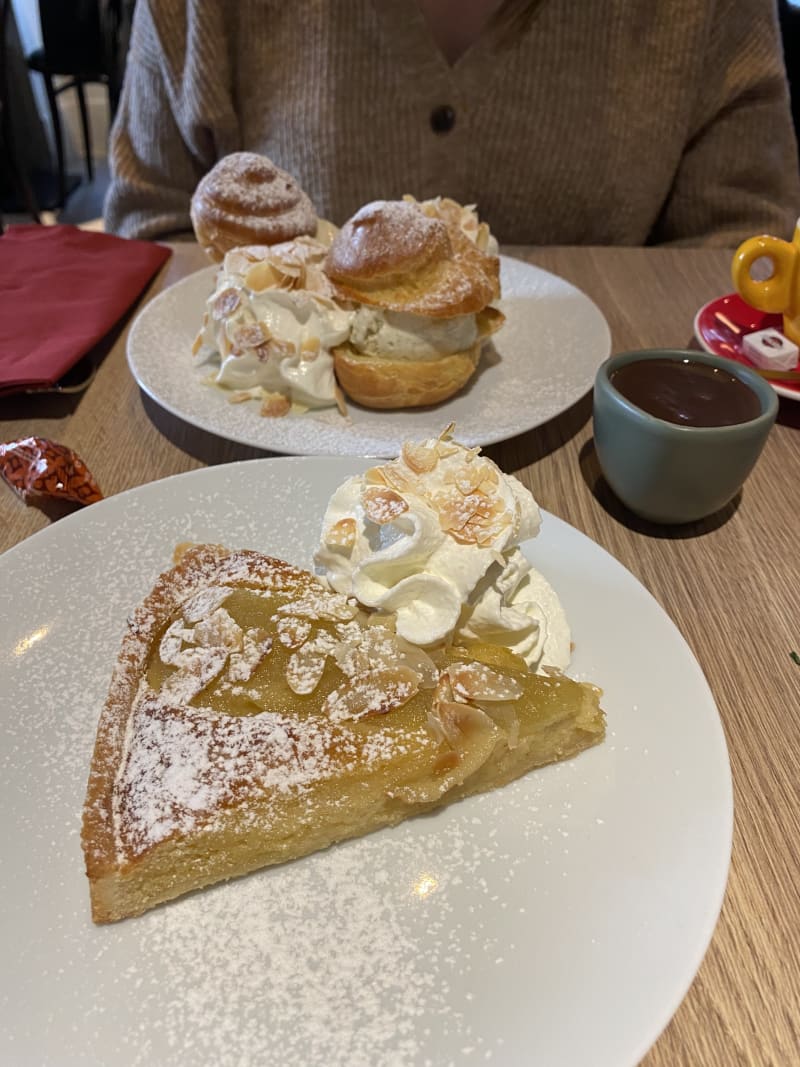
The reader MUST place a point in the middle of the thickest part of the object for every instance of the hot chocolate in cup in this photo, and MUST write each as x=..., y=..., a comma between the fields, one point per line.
x=678, y=432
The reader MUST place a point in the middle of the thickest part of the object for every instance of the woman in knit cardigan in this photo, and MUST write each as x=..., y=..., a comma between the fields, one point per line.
x=616, y=122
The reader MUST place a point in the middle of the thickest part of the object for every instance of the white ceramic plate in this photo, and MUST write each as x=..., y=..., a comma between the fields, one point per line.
x=545, y=359
x=557, y=921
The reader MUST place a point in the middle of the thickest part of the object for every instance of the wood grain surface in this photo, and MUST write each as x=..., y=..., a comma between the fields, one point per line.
x=730, y=583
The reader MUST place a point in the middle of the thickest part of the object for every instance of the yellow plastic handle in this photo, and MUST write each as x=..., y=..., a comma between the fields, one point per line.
x=775, y=293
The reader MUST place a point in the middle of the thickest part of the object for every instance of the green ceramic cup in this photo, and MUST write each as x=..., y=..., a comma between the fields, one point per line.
x=670, y=473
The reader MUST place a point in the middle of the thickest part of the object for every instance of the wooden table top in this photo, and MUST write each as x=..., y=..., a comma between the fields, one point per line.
x=730, y=584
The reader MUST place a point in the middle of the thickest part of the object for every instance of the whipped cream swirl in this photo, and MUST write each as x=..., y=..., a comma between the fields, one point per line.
x=430, y=539
x=271, y=323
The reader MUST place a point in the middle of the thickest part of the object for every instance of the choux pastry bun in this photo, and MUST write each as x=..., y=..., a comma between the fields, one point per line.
x=421, y=291
x=246, y=200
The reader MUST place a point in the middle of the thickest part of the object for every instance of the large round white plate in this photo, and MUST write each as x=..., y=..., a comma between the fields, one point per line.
x=556, y=921
x=544, y=359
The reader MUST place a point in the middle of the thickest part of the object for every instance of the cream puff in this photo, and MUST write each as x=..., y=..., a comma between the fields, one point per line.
x=421, y=291
x=246, y=200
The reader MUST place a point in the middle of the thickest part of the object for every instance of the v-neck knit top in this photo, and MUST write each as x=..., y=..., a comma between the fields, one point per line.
x=623, y=122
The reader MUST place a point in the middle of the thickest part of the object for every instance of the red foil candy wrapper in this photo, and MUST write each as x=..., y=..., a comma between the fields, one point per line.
x=36, y=467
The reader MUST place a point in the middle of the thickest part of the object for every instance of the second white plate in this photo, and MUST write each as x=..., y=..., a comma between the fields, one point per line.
x=544, y=360
x=556, y=921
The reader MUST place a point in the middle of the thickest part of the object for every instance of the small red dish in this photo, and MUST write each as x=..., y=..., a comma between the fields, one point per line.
x=720, y=325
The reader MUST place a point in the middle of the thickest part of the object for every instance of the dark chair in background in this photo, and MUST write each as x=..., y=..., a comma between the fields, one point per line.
x=16, y=170
x=78, y=45
x=789, y=13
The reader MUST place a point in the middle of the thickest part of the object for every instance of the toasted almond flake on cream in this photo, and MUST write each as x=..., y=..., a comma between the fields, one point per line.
x=342, y=534
x=397, y=479
x=420, y=458
x=261, y=276
x=475, y=477
x=280, y=349
x=238, y=260
x=472, y=519
x=226, y=303
x=374, y=476
x=250, y=336
x=382, y=505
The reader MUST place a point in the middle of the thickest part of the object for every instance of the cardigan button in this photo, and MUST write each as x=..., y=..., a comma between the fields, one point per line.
x=443, y=119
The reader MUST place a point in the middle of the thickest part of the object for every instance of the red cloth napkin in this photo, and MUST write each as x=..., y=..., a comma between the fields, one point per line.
x=61, y=290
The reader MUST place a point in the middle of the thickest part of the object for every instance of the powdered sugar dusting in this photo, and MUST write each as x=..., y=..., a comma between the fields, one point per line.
x=183, y=764
x=206, y=601
x=382, y=237
x=197, y=668
x=392, y=255
x=382, y=996
x=246, y=192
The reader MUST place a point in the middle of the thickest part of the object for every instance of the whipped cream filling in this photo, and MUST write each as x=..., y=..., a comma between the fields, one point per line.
x=278, y=339
x=437, y=550
x=399, y=335
x=515, y=606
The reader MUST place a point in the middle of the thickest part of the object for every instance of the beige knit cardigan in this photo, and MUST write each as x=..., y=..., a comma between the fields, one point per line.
x=607, y=122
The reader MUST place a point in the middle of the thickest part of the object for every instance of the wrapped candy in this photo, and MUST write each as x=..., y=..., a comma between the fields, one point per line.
x=36, y=467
